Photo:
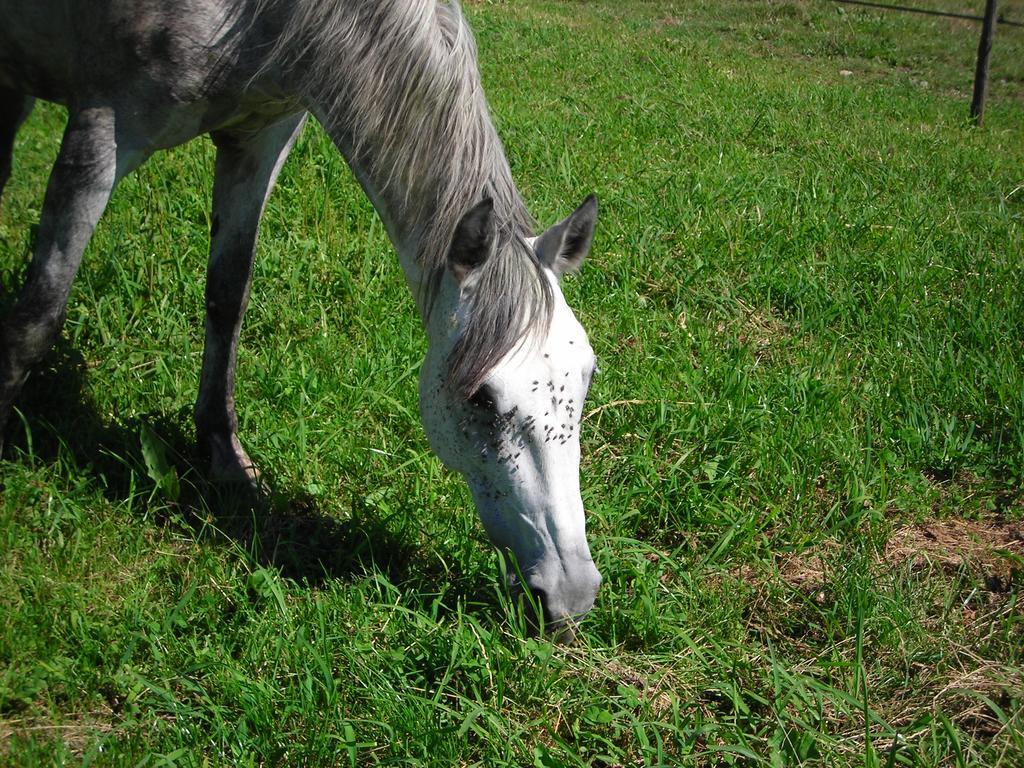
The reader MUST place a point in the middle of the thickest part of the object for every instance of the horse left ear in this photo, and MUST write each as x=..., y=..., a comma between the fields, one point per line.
x=563, y=247
x=473, y=242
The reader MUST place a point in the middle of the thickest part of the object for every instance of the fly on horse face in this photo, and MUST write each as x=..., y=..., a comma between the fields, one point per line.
x=395, y=85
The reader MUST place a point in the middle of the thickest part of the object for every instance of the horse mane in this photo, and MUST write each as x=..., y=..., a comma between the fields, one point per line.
x=400, y=79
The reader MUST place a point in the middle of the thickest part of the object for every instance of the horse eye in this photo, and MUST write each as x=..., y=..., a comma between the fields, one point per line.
x=483, y=398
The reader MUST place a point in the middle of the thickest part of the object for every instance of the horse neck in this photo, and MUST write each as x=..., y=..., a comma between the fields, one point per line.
x=389, y=202
x=396, y=86
x=419, y=211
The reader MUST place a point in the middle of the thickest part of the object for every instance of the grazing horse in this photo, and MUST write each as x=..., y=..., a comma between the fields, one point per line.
x=395, y=85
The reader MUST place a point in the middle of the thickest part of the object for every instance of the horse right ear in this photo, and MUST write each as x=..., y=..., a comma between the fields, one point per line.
x=563, y=247
x=474, y=240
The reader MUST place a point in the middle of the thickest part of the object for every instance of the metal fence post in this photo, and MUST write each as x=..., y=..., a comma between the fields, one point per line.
x=981, y=69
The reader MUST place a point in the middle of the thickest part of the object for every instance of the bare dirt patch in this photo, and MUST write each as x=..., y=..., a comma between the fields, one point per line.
x=988, y=552
x=993, y=550
x=807, y=571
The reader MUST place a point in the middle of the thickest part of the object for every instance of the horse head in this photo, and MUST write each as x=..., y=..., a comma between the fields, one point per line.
x=511, y=426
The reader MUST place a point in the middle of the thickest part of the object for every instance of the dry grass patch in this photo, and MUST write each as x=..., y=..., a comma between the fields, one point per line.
x=990, y=550
x=77, y=732
x=993, y=550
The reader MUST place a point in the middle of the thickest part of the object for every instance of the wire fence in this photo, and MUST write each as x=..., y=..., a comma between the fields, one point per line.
x=1002, y=21
x=989, y=22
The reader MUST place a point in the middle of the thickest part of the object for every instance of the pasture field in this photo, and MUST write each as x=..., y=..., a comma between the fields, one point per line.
x=803, y=458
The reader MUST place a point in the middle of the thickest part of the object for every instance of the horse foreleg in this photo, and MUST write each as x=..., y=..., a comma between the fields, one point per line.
x=14, y=109
x=87, y=168
x=247, y=166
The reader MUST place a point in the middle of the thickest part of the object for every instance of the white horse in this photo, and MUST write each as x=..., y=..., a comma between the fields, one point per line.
x=395, y=85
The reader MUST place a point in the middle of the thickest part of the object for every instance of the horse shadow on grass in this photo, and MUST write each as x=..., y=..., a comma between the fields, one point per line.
x=155, y=456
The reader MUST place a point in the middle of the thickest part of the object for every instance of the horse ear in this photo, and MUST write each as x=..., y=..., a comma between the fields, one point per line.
x=563, y=247
x=474, y=240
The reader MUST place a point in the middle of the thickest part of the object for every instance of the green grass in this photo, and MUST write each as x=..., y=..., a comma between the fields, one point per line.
x=803, y=461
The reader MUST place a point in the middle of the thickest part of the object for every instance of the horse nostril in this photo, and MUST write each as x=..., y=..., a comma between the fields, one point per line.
x=536, y=609
x=559, y=629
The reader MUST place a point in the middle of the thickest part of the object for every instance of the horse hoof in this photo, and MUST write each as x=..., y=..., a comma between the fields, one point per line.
x=236, y=473
x=242, y=474
x=231, y=468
